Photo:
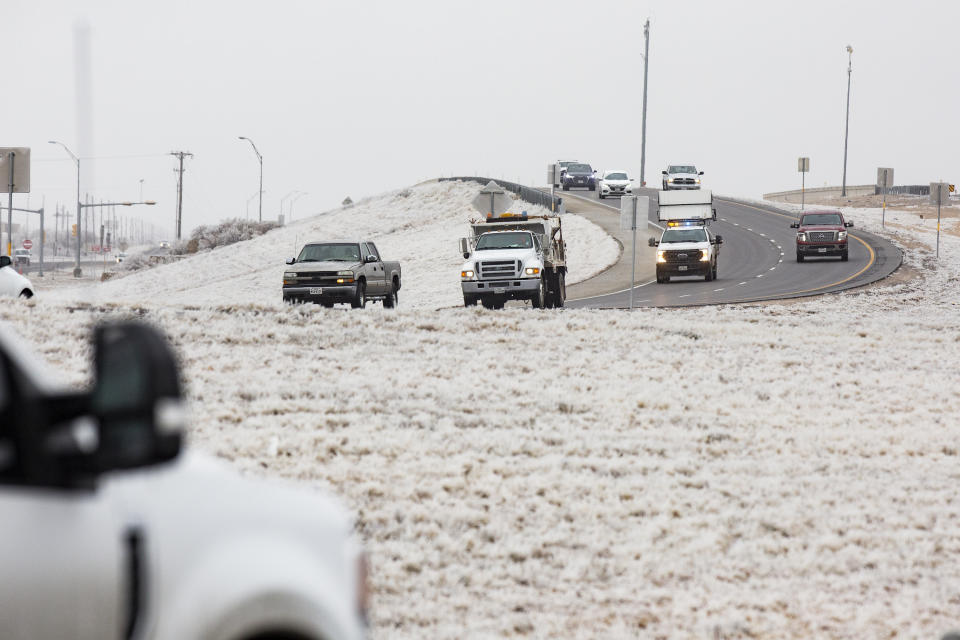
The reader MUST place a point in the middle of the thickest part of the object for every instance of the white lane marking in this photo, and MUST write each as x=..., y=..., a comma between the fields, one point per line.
x=759, y=275
x=686, y=295
x=765, y=235
x=741, y=283
x=780, y=260
x=720, y=289
x=736, y=224
x=723, y=219
x=772, y=268
x=749, y=229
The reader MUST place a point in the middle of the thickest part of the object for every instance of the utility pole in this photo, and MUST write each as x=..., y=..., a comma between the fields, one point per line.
x=180, y=155
x=846, y=134
x=643, y=129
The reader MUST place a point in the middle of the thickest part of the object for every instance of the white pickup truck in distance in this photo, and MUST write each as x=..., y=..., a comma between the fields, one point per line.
x=110, y=532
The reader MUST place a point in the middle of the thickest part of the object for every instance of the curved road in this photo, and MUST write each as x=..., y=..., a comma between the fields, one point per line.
x=757, y=261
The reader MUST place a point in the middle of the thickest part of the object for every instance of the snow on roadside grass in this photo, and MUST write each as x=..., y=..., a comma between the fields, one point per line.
x=418, y=226
x=785, y=471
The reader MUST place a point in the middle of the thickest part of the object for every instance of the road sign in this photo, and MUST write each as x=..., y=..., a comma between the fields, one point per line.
x=20, y=157
x=28, y=244
x=633, y=212
x=803, y=165
x=884, y=177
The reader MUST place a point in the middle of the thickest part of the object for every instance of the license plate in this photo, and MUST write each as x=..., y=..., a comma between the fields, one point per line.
x=316, y=291
x=499, y=290
x=822, y=250
x=682, y=267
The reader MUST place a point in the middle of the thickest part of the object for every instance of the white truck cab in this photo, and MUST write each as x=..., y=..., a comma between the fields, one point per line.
x=110, y=532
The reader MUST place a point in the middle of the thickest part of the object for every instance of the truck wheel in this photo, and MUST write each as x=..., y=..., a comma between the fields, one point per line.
x=539, y=299
x=844, y=256
x=714, y=272
x=360, y=299
x=469, y=301
x=390, y=301
x=560, y=296
x=799, y=257
x=566, y=188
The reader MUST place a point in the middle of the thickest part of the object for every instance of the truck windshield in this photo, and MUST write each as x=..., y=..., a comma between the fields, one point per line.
x=330, y=252
x=616, y=176
x=684, y=235
x=681, y=168
x=518, y=240
x=832, y=219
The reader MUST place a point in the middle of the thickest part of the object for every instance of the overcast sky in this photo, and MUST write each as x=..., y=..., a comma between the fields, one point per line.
x=354, y=98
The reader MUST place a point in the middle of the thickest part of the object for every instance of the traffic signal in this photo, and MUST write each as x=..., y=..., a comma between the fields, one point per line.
x=73, y=230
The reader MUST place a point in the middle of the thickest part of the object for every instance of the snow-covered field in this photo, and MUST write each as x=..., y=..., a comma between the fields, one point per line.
x=768, y=471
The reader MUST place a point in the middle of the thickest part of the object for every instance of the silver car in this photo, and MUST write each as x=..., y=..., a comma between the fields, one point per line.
x=681, y=176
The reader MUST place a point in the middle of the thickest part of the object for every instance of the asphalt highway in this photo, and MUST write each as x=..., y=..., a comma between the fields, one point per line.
x=757, y=260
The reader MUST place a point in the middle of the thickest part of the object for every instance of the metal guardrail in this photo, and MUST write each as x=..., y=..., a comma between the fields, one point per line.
x=527, y=194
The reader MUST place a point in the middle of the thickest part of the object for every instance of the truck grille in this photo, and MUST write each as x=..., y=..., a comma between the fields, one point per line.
x=494, y=269
x=317, y=277
x=684, y=181
x=822, y=236
x=683, y=256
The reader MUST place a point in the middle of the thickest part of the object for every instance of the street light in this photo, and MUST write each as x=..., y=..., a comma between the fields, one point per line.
x=299, y=195
x=76, y=269
x=283, y=199
x=846, y=134
x=260, y=158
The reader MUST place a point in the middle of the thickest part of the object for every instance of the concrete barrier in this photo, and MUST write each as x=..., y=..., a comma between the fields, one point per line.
x=795, y=195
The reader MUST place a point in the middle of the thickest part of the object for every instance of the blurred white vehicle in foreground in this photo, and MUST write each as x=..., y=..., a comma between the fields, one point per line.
x=12, y=283
x=109, y=532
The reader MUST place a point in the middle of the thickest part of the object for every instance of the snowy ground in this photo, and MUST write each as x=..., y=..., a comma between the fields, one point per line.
x=768, y=471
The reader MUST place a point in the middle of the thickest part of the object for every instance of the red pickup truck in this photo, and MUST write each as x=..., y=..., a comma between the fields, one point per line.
x=821, y=233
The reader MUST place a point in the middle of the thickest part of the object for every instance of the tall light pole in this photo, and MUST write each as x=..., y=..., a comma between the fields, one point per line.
x=260, y=158
x=76, y=269
x=643, y=127
x=846, y=134
x=141, y=188
x=299, y=195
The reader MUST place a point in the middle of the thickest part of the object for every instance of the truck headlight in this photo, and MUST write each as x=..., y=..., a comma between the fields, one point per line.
x=661, y=257
x=349, y=274
x=698, y=180
x=801, y=237
x=532, y=271
x=289, y=275
x=669, y=180
x=704, y=256
x=842, y=235
x=468, y=274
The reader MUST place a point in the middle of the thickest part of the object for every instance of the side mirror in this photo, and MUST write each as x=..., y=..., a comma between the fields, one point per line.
x=371, y=258
x=848, y=224
x=291, y=260
x=719, y=239
x=700, y=174
x=652, y=242
x=465, y=248
x=5, y=261
x=136, y=399
x=664, y=172
x=794, y=225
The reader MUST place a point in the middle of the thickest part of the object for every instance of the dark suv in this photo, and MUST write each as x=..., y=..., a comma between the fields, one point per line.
x=821, y=233
x=579, y=175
